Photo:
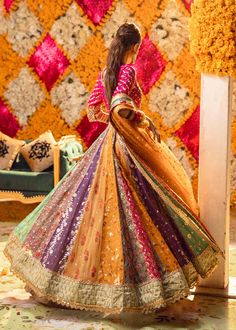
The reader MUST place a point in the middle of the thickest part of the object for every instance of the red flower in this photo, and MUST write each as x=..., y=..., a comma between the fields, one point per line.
x=93, y=271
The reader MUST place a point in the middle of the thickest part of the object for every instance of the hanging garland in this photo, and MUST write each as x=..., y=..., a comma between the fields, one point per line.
x=213, y=36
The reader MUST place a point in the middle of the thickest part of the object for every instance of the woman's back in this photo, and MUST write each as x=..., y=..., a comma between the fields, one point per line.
x=126, y=84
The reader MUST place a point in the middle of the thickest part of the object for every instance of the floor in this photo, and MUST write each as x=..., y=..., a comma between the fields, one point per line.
x=19, y=311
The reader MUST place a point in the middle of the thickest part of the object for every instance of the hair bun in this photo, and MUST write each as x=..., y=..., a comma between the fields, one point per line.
x=125, y=29
x=120, y=35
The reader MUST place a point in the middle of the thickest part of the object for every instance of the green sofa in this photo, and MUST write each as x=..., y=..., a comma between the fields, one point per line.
x=21, y=184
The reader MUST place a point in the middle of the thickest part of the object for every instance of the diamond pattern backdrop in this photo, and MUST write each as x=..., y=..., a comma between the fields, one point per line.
x=51, y=53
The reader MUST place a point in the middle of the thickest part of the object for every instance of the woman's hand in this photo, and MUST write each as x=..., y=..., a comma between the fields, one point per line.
x=153, y=130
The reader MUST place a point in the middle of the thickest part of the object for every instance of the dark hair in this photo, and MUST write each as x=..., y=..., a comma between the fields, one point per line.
x=126, y=36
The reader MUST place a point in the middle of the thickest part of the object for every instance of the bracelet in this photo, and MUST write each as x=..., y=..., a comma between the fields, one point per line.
x=138, y=116
x=140, y=119
x=121, y=98
x=143, y=124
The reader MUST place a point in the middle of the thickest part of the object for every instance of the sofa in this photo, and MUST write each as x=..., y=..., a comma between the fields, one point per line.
x=21, y=184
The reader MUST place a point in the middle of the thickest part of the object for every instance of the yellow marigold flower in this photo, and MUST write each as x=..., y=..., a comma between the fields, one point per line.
x=212, y=36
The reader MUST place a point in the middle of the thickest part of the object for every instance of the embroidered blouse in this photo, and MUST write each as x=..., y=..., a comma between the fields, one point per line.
x=98, y=108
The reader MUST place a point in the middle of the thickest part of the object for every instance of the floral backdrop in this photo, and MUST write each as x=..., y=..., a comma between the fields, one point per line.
x=50, y=55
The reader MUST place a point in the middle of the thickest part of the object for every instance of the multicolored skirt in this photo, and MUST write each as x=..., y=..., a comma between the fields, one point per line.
x=120, y=232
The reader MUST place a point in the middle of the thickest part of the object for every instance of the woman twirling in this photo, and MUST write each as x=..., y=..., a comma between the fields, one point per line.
x=121, y=231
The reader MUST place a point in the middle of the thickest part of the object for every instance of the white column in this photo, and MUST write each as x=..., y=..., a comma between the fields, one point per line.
x=214, y=167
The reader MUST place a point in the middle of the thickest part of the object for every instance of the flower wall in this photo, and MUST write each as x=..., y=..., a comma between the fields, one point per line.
x=213, y=36
x=51, y=52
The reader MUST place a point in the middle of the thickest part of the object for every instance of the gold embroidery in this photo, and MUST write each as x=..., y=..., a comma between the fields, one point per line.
x=96, y=297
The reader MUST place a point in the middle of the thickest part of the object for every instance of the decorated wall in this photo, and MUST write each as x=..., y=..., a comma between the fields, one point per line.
x=50, y=55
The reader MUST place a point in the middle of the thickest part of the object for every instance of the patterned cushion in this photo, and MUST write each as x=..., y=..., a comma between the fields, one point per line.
x=9, y=149
x=39, y=153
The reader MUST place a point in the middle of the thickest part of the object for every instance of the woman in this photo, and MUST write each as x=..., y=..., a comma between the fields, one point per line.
x=121, y=232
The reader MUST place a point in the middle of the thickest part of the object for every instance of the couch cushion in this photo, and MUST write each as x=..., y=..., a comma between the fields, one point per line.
x=39, y=153
x=26, y=181
x=21, y=165
x=9, y=149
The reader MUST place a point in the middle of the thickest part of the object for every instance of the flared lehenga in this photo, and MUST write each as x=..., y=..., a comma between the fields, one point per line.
x=120, y=232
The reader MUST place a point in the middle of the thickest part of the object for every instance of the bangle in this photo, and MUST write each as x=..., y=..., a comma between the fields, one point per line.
x=140, y=119
x=139, y=116
x=143, y=124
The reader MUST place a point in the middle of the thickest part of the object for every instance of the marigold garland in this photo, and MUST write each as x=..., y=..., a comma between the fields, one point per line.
x=10, y=64
x=233, y=199
x=213, y=36
x=40, y=121
x=91, y=59
x=146, y=11
x=185, y=9
x=184, y=69
x=48, y=11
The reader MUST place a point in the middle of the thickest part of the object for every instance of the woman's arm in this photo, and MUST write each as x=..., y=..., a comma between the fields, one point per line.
x=126, y=107
x=124, y=104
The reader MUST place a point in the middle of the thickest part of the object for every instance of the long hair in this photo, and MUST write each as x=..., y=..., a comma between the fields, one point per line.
x=126, y=36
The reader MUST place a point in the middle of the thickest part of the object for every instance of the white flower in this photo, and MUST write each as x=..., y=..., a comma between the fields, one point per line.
x=71, y=97
x=3, y=25
x=71, y=31
x=23, y=29
x=170, y=30
x=170, y=100
x=24, y=95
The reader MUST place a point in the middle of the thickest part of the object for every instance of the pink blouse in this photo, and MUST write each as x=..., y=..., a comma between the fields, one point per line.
x=98, y=108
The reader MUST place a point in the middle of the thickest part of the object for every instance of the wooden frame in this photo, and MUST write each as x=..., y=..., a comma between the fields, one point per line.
x=7, y=196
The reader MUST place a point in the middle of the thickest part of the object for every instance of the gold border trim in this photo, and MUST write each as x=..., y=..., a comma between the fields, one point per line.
x=75, y=294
